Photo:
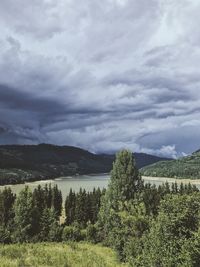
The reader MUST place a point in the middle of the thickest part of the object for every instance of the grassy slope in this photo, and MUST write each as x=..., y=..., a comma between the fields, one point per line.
x=57, y=255
x=186, y=167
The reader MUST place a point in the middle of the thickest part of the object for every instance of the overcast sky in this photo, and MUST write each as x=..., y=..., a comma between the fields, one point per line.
x=102, y=75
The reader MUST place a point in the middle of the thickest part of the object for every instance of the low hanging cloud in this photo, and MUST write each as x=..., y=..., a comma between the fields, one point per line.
x=102, y=75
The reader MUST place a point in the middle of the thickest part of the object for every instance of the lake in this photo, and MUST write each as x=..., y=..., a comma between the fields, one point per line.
x=88, y=182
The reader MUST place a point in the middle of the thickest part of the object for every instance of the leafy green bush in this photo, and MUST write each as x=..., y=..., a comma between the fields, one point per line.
x=92, y=233
x=72, y=233
x=5, y=237
x=173, y=235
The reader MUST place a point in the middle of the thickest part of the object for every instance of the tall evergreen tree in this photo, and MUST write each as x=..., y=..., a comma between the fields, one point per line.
x=7, y=199
x=48, y=196
x=48, y=223
x=2, y=209
x=26, y=216
x=70, y=206
x=125, y=179
x=39, y=198
x=124, y=185
x=81, y=207
x=57, y=200
x=95, y=202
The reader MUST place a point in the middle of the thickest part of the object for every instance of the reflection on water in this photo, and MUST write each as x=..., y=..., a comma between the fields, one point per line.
x=88, y=182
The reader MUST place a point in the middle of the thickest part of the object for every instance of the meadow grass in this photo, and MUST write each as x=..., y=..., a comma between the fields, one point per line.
x=57, y=255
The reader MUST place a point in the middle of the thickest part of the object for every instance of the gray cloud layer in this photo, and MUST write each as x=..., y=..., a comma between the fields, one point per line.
x=102, y=75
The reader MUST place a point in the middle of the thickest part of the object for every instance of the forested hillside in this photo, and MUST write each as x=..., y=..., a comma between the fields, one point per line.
x=19, y=163
x=186, y=167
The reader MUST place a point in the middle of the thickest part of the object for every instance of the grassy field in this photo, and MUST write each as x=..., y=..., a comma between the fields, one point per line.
x=57, y=255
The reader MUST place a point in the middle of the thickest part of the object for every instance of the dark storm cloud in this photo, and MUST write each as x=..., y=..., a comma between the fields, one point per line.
x=102, y=75
x=14, y=99
x=30, y=110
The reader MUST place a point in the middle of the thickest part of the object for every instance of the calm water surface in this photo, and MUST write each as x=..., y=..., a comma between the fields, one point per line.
x=88, y=182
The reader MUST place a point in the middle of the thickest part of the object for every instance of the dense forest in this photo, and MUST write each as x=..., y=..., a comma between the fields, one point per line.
x=186, y=167
x=145, y=225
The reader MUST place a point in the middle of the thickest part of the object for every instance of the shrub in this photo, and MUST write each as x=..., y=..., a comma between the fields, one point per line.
x=71, y=233
x=4, y=236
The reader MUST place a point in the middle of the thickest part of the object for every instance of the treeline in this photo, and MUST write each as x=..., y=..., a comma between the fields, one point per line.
x=150, y=195
x=186, y=167
x=83, y=207
x=19, y=176
x=35, y=216
x=27, y=163
x=31, y=216
x=147, y=225
x=150, y=226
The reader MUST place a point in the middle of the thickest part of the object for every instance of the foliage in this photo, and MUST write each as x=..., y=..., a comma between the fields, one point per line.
x=49, y=227
x=83, y=207
x=72, y=233
x=7, y=199
x=27, y=163
x=186, y=167
x=92, y=233
x=32, y=216
x=116, y=219
x=172, y=234
x=26, y=217
x=125, y=179
x=20, y=164
x=190, y=253
x=5, y=236
x=148, y=226
x=145, y=224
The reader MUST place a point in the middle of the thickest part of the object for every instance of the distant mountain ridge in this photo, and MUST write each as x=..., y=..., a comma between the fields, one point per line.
x=187, y=167
x=20, y=163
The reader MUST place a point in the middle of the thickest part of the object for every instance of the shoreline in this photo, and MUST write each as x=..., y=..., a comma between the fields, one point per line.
x=149, y=179
x=53, y=180
x=171, y=180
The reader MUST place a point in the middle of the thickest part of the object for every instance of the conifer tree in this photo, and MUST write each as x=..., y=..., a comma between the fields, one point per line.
x=81, y=209
x=125, y=179
x=26, y=216
x=39, y=198
x=181, y=189
x=48, y=196
x=174, y=188
x=70, y=206
x=7, y=199
x=48, y=220
x=125, y=184
x=57, y=200
x=95, y=201
x=2, y=209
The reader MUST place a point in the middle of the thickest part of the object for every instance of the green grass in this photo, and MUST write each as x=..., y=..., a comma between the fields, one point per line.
x=57, y=255
x=186, y=167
